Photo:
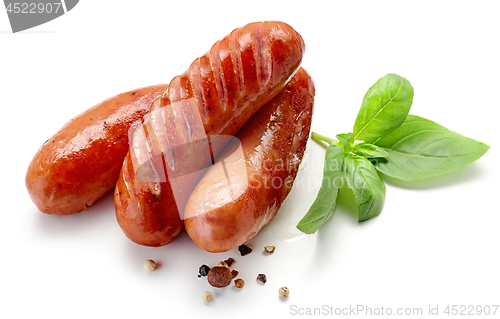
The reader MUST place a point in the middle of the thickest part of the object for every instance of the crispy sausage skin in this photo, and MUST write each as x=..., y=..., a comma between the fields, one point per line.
x=216, y=96
x=82, y=161
x=244, y=190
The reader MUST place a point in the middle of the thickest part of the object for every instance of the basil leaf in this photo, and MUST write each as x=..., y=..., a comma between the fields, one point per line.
x=385, y=107
x=420, y=149
x=368, y=188
x=370, y=151
x=324, y=204
x=346, y=140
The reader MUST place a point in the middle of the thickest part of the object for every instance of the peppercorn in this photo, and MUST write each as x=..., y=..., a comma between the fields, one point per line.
x=244, y=250
x=284, y=292
x=204, y=269
x=149, y=265
x=262, y=278
x=239, y=283
x=219, y=277
x=269, y=249
x=229, y=261
x=207, y=296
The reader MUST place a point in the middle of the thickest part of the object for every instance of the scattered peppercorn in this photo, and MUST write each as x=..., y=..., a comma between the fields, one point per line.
x=229, y=261
x=234, y=273
x=284, y=292
x=204, y=269
x=207, y=296
x=269, y=249
x=239, y=283
x=244, y=250
x=149, y=265
x=262, y=278
x=219, y=276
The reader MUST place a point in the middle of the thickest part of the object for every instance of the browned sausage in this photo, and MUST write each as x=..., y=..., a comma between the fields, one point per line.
x=82, y=161
x=216, y=96
x=244, y=190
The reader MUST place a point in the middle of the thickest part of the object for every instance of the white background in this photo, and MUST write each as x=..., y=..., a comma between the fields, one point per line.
x=435, y=243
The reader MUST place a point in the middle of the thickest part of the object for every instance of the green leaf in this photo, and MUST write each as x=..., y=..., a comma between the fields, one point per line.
x=324, y=204
x=370, y=151
x=420, y=149
x=346, y=139
x=385, y=107
x=368, y=188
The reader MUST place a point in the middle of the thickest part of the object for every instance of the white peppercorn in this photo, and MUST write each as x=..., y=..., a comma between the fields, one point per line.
x=207, y=296
x=150, y=265
x=284, y=292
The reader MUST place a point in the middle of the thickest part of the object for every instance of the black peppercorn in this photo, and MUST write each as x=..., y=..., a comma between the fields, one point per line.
x=262, y=278
x=229, y=261
x=204, y=270
x=244, y=250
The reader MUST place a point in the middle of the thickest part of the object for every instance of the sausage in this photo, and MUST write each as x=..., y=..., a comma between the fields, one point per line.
x=185, y=130
x=244, y=190
x=82, y=161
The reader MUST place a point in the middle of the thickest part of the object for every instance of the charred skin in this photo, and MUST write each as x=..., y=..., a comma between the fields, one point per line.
x=232, y=203
x=82, y=161
x=217, y=95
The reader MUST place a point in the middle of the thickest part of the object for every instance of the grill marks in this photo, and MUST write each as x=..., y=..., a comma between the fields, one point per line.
x=251, y=85
x=167, y=133
x=195, y=80
x=186, y=93
x=209, y=87
x=187, y=105
x=235, y=71
x=234, y=51
x=229, y=80
x=179, y=121
x=218, y=75
x=256, y=40
x=152, y=177
x=264, y=59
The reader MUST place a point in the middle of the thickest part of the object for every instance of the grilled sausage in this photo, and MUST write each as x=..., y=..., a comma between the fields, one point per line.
x=216, y=96
x=244, y=190
x=82, y=161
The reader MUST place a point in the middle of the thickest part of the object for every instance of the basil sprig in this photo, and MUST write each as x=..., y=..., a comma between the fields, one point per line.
x=387, y=139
